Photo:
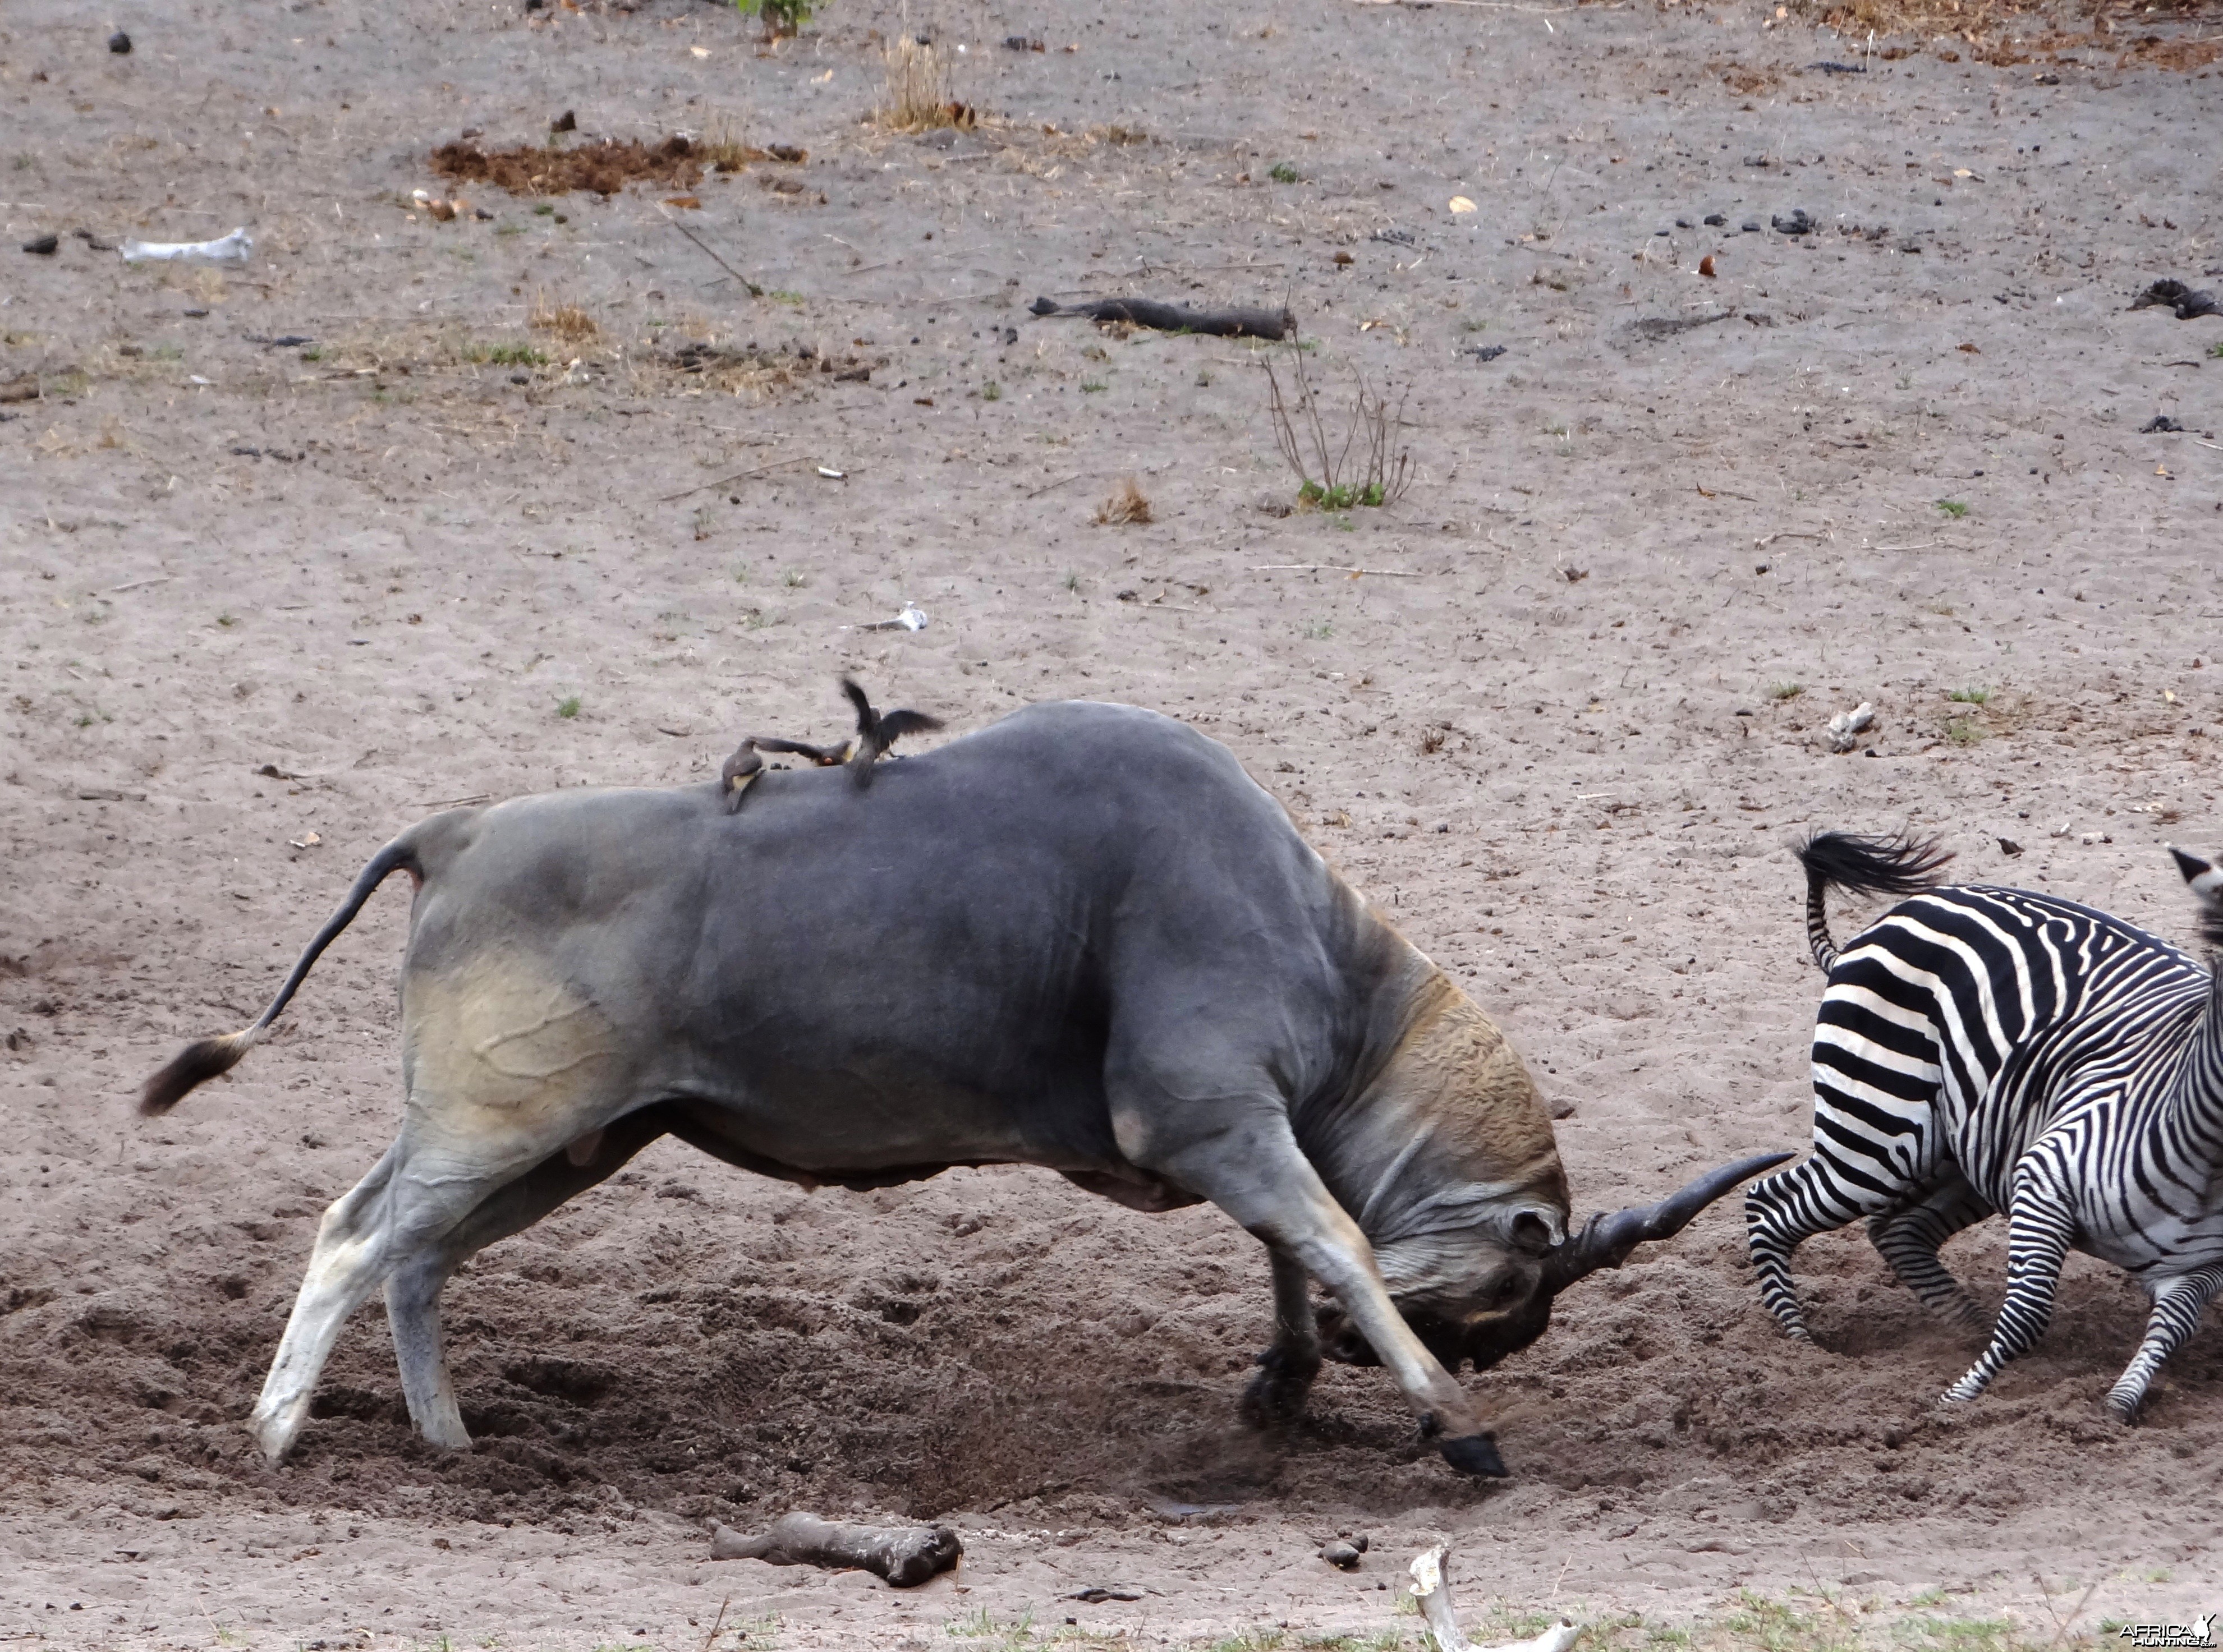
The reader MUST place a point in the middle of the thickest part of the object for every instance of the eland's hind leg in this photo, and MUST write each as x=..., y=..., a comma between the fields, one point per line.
x=350, y=1258
x=413, y=1288
x=1910, y=1239
x=427, y=1185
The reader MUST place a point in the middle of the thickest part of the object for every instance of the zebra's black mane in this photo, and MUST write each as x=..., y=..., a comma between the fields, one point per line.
x=2211, y=926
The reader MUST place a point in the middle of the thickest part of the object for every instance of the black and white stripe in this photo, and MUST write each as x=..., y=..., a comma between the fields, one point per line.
x=1981, y=1050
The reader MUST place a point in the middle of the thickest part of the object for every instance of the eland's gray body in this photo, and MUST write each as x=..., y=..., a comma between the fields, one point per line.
x=1082, y=939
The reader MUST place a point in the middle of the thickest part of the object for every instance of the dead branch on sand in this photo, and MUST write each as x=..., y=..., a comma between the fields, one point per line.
x=904, y=1555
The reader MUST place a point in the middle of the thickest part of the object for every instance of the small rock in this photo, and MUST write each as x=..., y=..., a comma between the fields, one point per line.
x=119, y=43
x=567, y=121
x=1797, y=224
x=2009, y=846
x=1716, y=219
x=1750, y=226
x=1341, y=1555
x=44, y=246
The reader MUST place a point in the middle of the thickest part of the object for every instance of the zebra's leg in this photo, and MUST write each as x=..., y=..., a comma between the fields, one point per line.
x=2177, y=1309
x=1783, y=1211
x=1909, y=1240
x=2041, y=1221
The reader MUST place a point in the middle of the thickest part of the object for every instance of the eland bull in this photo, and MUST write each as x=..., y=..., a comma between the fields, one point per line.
x=1082, y=938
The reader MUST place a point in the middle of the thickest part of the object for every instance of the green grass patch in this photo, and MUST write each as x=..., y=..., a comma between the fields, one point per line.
x=780, y=17
x=568, y=706
x=1964, y=733
x=1342, y=497
x=1785, y=690
x=1282, y=173
x=992, y=391
x=505, y=356
x=1953, y=507
x=1090, y=386
x=1975, y=694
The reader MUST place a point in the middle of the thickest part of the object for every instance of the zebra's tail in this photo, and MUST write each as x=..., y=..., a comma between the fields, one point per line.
x=1898, y=865
x=2206, y=878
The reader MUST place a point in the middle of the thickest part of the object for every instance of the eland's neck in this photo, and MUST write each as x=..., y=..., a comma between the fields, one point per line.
x=1444, y=1126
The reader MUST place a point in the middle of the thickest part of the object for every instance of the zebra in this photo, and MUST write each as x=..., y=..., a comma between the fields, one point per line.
x=1981, y=1050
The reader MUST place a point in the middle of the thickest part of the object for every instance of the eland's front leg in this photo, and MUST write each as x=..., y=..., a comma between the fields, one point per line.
x=1276, y=1395
x=1241, y=1155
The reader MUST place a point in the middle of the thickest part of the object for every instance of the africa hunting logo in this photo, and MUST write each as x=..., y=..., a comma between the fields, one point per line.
x=2200, y=1633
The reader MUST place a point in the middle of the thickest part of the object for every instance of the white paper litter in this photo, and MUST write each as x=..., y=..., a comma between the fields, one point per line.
x=909, y=617
x=230, y=249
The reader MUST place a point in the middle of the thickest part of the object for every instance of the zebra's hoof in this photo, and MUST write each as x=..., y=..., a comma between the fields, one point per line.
x=2123, y=1409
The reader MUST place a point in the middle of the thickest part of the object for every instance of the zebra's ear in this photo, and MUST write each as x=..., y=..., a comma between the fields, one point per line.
x=2206, y=881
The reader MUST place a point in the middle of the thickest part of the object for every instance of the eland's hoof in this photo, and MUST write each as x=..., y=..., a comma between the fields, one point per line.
x=1276, y=1397
x=1474, y=1453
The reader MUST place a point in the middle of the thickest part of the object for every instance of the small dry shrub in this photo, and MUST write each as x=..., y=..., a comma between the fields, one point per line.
x=1127, y=505
x=918, y=95
x=1336, y=475
x=567, y=320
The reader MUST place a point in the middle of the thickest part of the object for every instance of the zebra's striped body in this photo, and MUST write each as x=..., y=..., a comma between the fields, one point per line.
x=1982, y=1050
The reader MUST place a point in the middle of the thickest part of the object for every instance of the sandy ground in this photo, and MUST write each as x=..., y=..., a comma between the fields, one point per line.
x=254, y=593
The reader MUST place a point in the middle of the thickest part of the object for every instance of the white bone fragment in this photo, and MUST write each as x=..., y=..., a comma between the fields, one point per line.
x=1847, y=727
x=229, y=249
x=1434, y=1594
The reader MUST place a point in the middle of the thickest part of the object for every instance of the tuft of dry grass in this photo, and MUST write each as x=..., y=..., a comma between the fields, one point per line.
x=918, y=95
x=1127, y=505
x=567, y=320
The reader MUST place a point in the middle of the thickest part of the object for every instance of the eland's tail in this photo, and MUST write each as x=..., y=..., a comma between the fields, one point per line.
x=205, y=1059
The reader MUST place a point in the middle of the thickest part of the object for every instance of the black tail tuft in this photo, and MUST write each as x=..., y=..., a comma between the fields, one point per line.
x=195, y=1065
x=1901, y=865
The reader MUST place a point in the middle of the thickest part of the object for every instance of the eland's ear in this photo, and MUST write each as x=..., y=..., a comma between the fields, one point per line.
x=2206, y=879
x=1533, y=1233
